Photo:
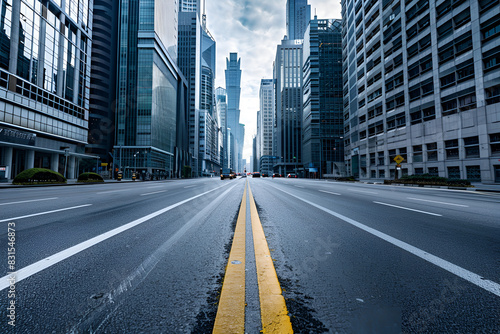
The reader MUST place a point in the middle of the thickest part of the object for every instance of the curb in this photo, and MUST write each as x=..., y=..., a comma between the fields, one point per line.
x=11, y=186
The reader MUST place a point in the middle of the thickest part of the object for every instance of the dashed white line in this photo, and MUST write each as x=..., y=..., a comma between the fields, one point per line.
x=190, y=186
x=32, y=200
x=45, y=213
x=299, y=187
x=155, y=187
x=425, y=200
x=156, y=192
x=463, y=273
x=113, y=191
x=43, y=264
x=409, y=209
x=329, y=192
x=363, y=191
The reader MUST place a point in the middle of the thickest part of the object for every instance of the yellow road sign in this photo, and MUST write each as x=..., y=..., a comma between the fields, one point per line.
x=104, y=164
x=399, y=159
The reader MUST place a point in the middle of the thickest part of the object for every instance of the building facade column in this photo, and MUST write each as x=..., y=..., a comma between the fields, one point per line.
x=76, y=88
x=7, y=160
x=71, y=167
x=41, y=48
x=14, y=38
x=54, y=162
x=30, y=159
x=60, y=61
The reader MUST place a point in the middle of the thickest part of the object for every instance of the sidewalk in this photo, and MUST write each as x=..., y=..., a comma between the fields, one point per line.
x=71, y=182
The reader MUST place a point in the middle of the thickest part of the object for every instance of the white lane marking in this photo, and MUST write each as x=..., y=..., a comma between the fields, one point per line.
x=144, y=269
x=45, y=213
x=426, y=200
x=467, y=275
x=155, y=187
x=36, y=267
x=156, y=192
x=363, y=191
x=299, y=187
x=402, y=207
x=113, y=191
x=190, y=186
x=329, y=192
x=32, y=200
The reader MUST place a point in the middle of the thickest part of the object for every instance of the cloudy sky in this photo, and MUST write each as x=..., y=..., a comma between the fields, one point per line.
x=253, y=28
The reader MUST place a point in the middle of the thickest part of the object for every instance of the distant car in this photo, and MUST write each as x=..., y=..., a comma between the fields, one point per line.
x=243, y=175
x=265, y=175
x=256, y=174
x=277, y=175
x=226, y=173
x=291, y=175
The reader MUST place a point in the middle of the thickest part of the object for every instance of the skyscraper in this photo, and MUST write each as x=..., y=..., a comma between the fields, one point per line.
x=287, y=74
x=322, y=123
x=189, y=6
x=103, y=79
x=421, y=81
x=221, y=107
x=266, y=99
x=148, y=87
x=44, y=85
x=233, y=89
x=298, y=15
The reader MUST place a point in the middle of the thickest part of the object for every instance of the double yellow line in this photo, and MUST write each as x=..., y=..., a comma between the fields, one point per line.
x=231, y=312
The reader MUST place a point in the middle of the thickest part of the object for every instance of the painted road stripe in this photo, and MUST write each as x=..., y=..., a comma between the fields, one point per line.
x=231, y=311
x=36, y=267
x=329, y=192
x=363, y=191
x=465, y=274
x=190, y=186
x=155, y=187
x=32, y=200
x=409, y=209
x=113, y=191
x=44, y=213
x=299, y=186
x=273, y=311
x=426, y=200
x=156, y=192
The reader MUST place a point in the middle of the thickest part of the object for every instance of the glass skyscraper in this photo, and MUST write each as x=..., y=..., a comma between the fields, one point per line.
x=233, y=89
x=298, y=15
x=148, y=81
x=323, y=131
x=288, y=121
x=44, y=84
x=266, y=99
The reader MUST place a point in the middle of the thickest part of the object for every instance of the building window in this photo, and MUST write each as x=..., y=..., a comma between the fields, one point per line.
x=454, y=172
x=486, y=5
x=471, y=145
x=491, y=59
x=419, y=171
x=433, y=171
x=452, y=151
x=490, y=29
x=495, y=144
x=492, y=95
x=373, y=174
x=473, y=173
x=372, y=159
x=417, y=153
x=381, y=173
x=432, y=152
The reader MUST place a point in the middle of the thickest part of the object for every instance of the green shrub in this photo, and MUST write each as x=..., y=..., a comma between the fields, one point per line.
x=38, y=176
x=429, y=180
x=90, y=177
x=348, y=178
x=186, y=172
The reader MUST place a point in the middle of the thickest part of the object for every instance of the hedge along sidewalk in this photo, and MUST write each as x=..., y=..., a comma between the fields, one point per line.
x=71, y=182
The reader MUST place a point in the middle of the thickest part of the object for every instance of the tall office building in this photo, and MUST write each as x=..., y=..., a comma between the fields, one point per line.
x=44, y=85
x=266, y=100
x=287, y=74
x=258, y=140
x=189, y=6
x=233, y=90
x=421, y=81
x=221, y=107
x=189, y=60
x=298, y=15
x=149, y=84
x=322, y=123
x=103, y=79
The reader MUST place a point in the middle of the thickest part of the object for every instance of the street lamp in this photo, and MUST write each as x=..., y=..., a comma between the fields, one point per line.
x=135, y=161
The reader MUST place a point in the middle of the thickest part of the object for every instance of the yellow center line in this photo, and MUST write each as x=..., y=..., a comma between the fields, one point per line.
x=273, y=311
x=231, y=311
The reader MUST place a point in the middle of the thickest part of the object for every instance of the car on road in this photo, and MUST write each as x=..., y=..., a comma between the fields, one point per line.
x=226, y=173
x=265, y=175
x=256, y=174
x=277, y=175
x=292, y=175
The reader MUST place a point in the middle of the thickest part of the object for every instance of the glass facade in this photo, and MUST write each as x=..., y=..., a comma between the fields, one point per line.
x=233, y=88
x=298, y=15
x=147, y=87
x=322, y=100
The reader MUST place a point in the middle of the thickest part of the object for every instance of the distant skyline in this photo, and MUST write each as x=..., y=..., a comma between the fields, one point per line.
x=253, y=29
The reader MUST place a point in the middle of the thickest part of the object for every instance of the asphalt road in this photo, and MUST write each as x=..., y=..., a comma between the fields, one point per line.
x=150, y=257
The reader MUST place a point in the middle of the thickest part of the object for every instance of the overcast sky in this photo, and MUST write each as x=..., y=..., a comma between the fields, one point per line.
x=253, y=29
